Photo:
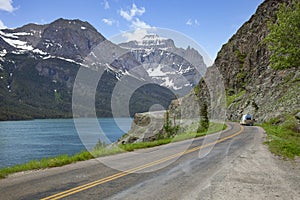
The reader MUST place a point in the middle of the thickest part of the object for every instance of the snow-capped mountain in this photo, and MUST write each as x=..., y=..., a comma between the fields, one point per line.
x=71, y=39
x=39, y=63
x=167, y=65
x=150, y=41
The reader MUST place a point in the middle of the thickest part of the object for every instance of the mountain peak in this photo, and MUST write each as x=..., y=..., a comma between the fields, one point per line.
x=150, y=41
x=153, y=40
x=73, y=24
x=72, y=39
x=153, y=37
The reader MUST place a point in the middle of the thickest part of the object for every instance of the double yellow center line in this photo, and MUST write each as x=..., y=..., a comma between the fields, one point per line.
x=136, y=169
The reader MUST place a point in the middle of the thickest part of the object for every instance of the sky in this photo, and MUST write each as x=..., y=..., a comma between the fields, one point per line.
x=209, y=23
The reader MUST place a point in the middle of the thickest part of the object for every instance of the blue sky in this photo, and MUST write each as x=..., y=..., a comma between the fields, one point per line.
x=210, y=23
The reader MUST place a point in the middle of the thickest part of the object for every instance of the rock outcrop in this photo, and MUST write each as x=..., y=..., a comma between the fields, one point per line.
x=145, y=127
x=251, y=85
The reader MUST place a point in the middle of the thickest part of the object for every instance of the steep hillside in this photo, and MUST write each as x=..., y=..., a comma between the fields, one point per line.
x=251, y=85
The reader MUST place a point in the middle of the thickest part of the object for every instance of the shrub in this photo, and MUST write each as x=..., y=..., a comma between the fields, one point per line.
x=284, y=38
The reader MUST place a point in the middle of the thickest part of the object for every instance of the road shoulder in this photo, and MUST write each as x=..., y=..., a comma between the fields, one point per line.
x=255, y=174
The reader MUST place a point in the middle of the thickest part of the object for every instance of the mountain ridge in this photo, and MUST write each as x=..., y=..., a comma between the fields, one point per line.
x=39, y=63
x=168, y=65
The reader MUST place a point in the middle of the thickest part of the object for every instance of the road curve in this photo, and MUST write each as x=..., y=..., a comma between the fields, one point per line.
x=171, y=171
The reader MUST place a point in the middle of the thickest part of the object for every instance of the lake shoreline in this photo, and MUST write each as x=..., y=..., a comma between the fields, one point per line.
x=100, y=150
x=40, y=138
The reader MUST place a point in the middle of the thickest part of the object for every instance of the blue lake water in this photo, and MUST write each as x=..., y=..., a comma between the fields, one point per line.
x=22, y=141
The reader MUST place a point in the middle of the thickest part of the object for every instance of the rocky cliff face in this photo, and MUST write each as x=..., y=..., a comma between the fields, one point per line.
x=251, y=85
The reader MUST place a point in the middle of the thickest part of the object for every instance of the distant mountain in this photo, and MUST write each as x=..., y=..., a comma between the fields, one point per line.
x=39, y=64
x=166, y=64
x=72, y=39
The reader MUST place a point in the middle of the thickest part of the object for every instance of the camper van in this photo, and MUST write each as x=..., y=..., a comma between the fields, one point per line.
x=247, y=120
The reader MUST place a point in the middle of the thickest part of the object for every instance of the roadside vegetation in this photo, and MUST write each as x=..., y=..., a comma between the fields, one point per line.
x=284, y=38
x=283, y=42
x=101, y=150
x=172, y=132
x=46, y=163
x=204, y=121
x=60, y=160
x=231, y=96
x=213, y=128
x=283, y=136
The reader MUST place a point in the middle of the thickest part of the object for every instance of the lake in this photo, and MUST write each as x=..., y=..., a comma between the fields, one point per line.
x=22, y=141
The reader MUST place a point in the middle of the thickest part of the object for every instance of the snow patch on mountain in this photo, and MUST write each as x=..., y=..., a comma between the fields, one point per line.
x=38, y=51
x=169, y=83
x=156, y=71
x=21, y=34
x=3, y=53
x=166, y=64
x=13, y=40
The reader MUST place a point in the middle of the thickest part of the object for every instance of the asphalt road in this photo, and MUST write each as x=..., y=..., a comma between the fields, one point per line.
x=171, y=171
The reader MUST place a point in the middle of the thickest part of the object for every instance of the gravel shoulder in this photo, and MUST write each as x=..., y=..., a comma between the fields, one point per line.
x=255, y=174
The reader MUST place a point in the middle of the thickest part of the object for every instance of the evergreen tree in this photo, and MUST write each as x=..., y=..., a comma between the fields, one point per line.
x=169, y=128
x=204, y=121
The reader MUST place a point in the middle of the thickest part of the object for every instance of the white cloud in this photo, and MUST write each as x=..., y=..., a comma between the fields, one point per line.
x=2, y=26
x=131, y=16
x=138, y=24
x=106, y=4
x=6, y=5
x=134, y=11
x=107, y=21
x=125, y=15
x=191, y=22
x=138, y=34
x=110, y=22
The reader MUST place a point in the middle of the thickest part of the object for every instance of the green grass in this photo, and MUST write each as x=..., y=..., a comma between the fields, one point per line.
x=106, y=151
x=283, y=137
x=99, y=151
x=59, y=160
x=233, y=97
x=142, y=145
x=213, y=128
x=46, y=163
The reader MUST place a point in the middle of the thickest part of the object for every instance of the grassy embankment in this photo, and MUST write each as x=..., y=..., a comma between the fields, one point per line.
x=214, y=127
x=283, y=136
x=101, y=150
